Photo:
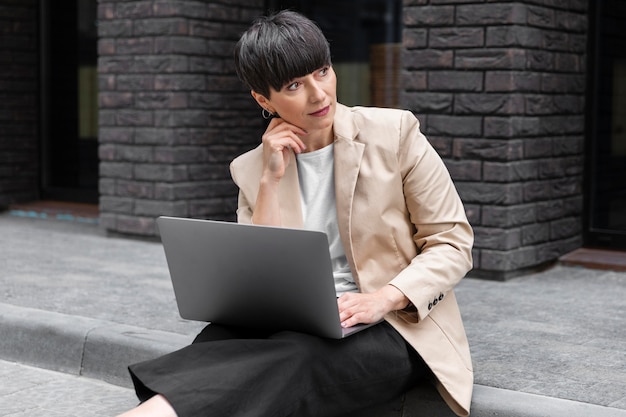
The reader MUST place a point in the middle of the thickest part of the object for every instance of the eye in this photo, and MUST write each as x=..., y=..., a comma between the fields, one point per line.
x=293, y=86
x=323, y=71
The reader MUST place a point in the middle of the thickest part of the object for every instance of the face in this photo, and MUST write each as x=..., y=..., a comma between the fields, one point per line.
x=309, y=102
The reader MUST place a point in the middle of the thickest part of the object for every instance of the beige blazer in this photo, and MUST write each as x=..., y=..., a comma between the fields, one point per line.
x=401, y=222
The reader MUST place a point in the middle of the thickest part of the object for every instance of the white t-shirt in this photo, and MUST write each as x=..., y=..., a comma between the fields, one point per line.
x=316, y=172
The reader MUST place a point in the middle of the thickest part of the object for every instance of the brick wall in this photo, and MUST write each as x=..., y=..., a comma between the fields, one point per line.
x=19, y=101
x=172, y=112
x=499, y=88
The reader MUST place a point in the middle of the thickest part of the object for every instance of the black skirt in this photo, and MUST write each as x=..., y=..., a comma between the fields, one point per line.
x=234, y=372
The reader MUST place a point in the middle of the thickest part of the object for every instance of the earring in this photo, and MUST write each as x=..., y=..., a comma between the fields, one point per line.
x=266, y=114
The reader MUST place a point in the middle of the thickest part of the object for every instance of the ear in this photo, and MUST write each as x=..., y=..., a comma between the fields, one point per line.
x=262, y=100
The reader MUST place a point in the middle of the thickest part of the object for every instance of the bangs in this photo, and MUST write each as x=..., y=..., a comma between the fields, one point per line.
x=294, y=57
x=279, y=48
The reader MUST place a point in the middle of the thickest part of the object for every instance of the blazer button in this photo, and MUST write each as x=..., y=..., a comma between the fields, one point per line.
x=430, y=306
x=435, y=301
x=440, y=296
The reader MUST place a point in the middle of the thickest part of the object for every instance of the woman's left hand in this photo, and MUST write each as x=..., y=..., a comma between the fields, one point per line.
x=355, y=308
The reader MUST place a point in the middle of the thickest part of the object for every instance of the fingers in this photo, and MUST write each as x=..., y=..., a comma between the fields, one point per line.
x=280, y=134
x=355, y=308
x=279, y=139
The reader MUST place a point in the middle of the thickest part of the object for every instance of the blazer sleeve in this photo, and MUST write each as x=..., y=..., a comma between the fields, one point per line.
x=245, y=170
x=443, y=235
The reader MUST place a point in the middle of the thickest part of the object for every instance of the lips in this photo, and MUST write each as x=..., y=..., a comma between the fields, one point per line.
x=321, y=112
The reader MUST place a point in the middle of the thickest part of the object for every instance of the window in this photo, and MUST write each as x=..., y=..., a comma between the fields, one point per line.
x=606, y=176
x=69, y=96
x=365, y=38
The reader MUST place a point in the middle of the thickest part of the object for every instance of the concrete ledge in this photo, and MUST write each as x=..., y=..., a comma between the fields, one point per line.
x=424, y=401
x=110, y=349
x=103, y=350
x=40, y=338
x=79, y=345
x=488, y=401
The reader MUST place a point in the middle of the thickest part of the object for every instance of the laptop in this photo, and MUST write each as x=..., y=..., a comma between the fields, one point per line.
x=254, y=276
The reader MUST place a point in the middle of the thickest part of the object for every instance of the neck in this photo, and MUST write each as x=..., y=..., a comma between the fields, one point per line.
x=319, y=140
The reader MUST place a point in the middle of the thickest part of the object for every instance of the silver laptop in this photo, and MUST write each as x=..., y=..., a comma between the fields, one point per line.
x=253, y=276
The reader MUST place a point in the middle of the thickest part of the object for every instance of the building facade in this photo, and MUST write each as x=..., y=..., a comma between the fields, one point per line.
x=510, y=93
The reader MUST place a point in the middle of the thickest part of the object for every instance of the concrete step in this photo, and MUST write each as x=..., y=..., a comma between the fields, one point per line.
x=102, y=350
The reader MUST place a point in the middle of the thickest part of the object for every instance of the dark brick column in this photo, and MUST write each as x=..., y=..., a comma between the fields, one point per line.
x=499, y=88
x=172, y=112
x=19, y=101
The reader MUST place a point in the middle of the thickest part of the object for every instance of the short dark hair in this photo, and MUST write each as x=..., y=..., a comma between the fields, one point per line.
x=278, y=48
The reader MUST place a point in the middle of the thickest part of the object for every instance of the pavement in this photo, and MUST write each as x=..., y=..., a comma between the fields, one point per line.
x=77, y=306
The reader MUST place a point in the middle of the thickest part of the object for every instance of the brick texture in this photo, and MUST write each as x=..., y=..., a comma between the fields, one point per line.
x=172, y=112
x=499, y=88
x=19, y=101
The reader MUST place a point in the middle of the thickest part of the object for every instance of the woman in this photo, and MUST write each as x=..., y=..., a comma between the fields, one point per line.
x=398, y=237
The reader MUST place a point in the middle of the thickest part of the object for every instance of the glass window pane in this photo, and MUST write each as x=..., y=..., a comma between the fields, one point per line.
x=365, y=38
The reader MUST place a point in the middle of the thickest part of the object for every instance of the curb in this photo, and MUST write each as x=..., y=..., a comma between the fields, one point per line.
x=101, y=349
x=489, y=401
x=77, y=345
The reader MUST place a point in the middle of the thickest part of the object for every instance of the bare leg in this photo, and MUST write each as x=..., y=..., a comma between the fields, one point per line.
x=156, y=406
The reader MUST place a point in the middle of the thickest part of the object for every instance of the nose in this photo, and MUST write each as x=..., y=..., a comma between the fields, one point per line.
x=316, y=92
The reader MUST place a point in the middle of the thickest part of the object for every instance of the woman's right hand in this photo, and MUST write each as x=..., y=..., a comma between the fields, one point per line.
x=279, y=139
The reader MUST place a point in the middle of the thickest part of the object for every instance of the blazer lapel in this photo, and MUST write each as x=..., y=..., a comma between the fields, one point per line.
x=348, y=155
